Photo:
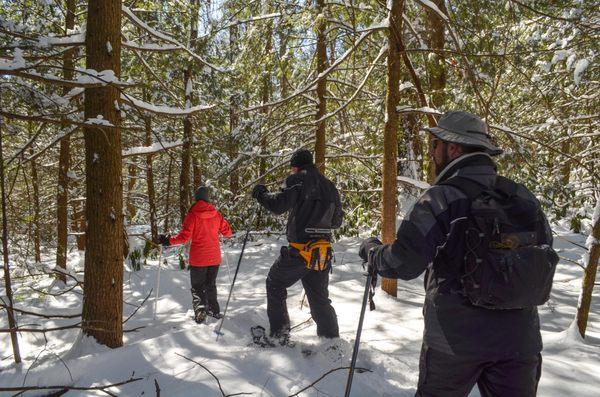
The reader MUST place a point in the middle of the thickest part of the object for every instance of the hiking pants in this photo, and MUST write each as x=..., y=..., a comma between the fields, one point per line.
x=441, y=374
x=204, y=288
x=285, y=272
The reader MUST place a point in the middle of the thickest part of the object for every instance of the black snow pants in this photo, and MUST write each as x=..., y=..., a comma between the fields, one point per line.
x=204, y=288
x=445, y=375
x=285, y=272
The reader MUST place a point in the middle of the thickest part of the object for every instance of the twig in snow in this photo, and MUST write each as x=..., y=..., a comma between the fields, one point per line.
x=214, y=376
x=103, y=388
x=138, y=308
x=324, y=375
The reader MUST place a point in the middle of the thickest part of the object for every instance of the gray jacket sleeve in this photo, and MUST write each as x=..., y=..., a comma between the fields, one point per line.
x=421, y=233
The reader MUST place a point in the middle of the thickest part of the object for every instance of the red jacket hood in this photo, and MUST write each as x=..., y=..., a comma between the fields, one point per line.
x=204, y=209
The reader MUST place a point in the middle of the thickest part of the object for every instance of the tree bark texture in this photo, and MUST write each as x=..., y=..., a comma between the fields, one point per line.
x=589, y=275
x=131, y=182
x=234, y=118
x=12, y=324
x=62, y=189
x=102, y=315
x=186, y=152
x=150, y=180
x=321, y=86
x=35, y=225
x=390, y=136
x=186, y=191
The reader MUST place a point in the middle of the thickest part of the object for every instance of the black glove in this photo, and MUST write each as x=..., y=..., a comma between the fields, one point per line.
x=258, y=191
x=366, y=246
x=163, y=239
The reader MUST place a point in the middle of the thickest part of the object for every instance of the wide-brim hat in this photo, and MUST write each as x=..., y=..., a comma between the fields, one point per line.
x=466, y=129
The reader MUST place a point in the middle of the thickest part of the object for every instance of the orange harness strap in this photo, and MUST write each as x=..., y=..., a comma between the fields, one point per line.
x=317, y=254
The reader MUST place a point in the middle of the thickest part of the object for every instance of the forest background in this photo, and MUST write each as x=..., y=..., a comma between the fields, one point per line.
x=113, y=112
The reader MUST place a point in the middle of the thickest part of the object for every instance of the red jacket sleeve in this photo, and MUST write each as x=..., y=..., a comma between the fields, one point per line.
x=186, y=231
x=224, y=228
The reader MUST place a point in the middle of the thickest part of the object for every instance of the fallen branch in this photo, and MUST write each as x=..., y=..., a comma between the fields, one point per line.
x=214, y=376
x=324, y=375
x=102, y=388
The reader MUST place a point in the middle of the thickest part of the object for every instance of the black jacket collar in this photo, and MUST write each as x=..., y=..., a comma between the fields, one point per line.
x=466, y=160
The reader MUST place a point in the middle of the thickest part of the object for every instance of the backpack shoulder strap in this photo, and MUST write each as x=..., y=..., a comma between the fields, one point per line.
x=507, y=186
x=468, y=186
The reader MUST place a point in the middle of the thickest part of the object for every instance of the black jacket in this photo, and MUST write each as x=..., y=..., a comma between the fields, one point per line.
x=452, y=324
x=313, y=202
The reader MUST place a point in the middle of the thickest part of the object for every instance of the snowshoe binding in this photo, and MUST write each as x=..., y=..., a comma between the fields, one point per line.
x=200, y=316
x=259, y=337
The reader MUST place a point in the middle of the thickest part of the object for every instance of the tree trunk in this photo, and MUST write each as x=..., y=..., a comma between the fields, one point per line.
x=78, y=224
x=390, y=136
x=167, y=224
x=234, y=118
x=589, y=275
x=36, y=207
x=12, y=324
x=132, y=174
x=185, y=193
x=436, y=69
x=321, y=86
x=62, y=190
x=150, y=180
x=102, y=315
x=186, y=152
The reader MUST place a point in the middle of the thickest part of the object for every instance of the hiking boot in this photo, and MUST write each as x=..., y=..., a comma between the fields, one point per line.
x=283, y=338
x=200, y=316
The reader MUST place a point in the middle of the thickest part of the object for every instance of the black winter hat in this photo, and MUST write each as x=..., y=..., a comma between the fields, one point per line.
x=301, y=158
x=203, y=193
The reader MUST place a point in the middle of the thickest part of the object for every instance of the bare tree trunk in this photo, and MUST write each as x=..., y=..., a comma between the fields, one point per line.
x=36, y=206
x=185, y=192
x=132, y=174
x=436, y=69
x=186, y=152
x=321, y=86
x=78, y=224
x=234, y=118
x=168, y=196
x=390, y=136
x=197, y=171
x=12, y=324
x=589, y=275
x=62, y=193
x=283, y=66
x=102, y=315
x=150, y=180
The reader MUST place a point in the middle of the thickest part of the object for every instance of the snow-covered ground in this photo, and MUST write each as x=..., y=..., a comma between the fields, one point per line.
x=169, y=352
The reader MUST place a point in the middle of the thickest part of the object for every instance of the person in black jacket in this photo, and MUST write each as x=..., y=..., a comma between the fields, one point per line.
x=315, y=209
x=463, y=344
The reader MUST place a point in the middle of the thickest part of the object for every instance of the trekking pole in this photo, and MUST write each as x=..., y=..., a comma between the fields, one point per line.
x=227, y=263
x=358, y=332
x=160, y=252
x=218, y=330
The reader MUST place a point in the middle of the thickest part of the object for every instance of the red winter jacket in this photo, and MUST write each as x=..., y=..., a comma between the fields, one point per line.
x=202, y=225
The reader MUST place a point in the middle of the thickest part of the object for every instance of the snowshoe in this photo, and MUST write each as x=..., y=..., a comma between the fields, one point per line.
x=259, y=337
x=200, y=316
x=283, y=339
x=217, y=316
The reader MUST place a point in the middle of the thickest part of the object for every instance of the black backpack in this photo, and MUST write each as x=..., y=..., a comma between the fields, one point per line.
x=507, y=261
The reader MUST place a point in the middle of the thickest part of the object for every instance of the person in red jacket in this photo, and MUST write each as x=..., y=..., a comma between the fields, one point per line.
x=203, y=224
